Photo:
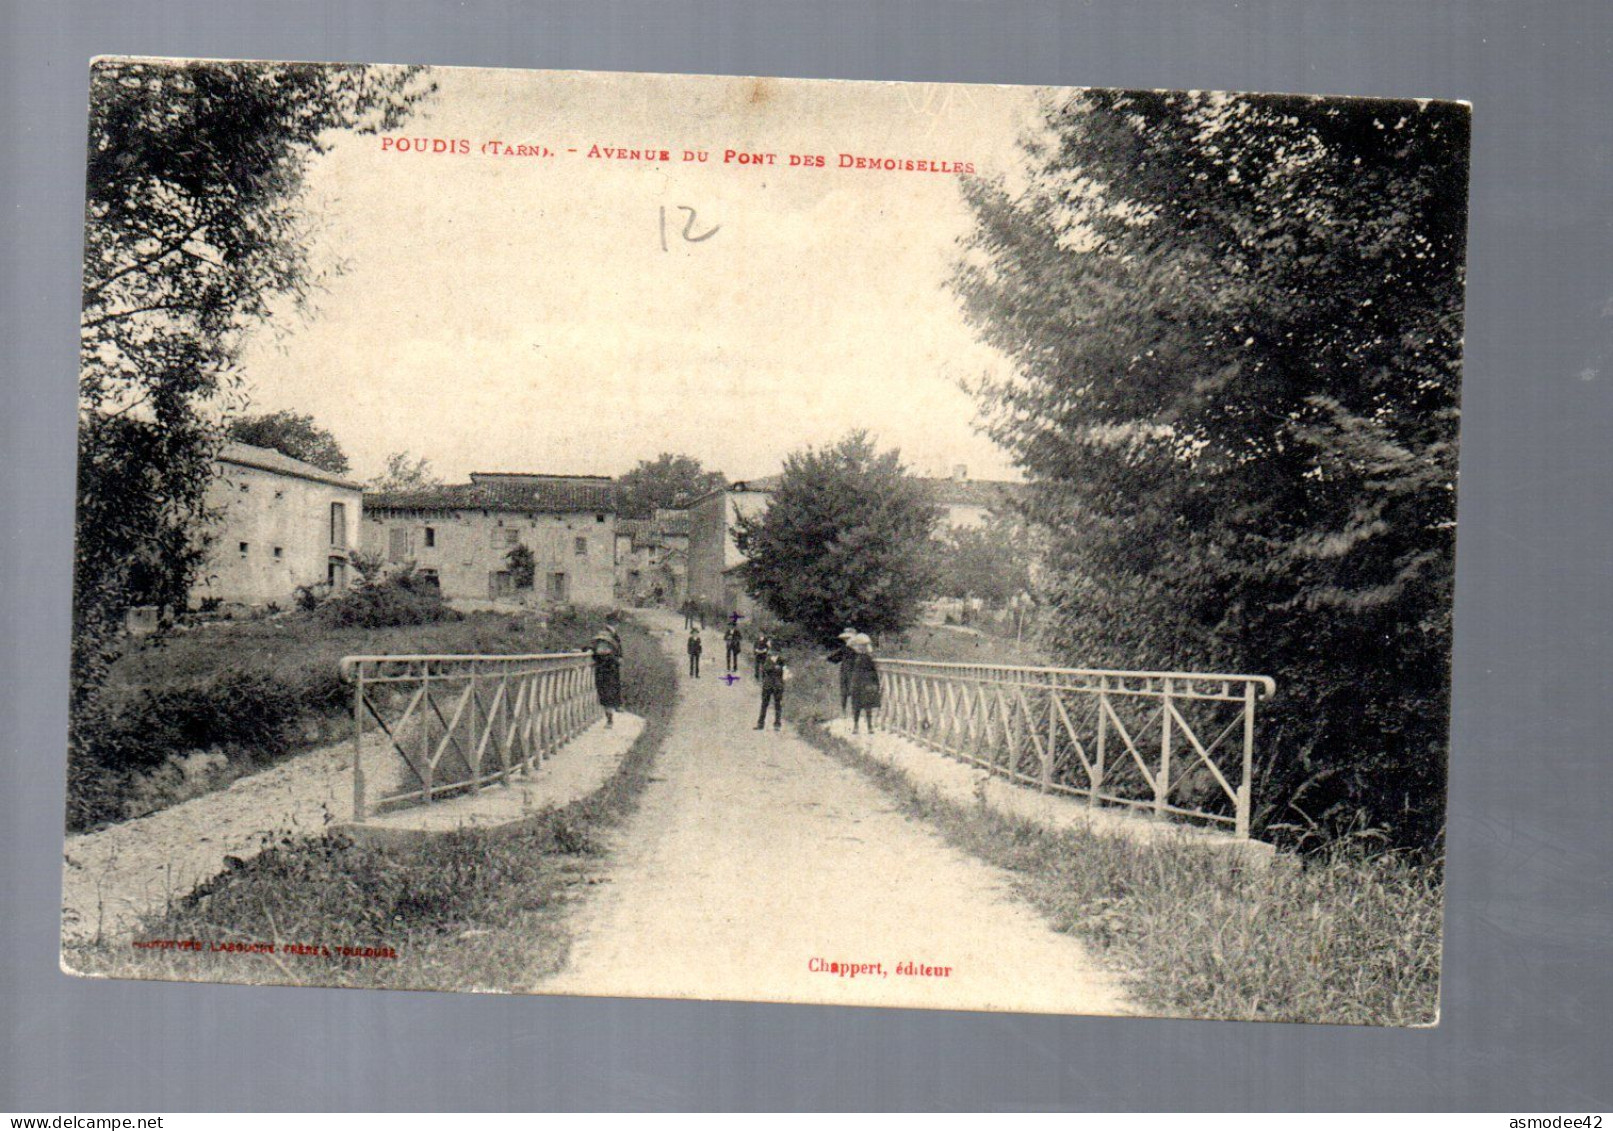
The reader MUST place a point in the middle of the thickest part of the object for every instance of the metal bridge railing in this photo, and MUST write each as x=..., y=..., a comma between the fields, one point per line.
x=458, y=723
x=1176, y=743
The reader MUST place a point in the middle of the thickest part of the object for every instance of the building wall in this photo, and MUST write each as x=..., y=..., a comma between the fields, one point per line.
x=962, y=515
x=712, y=549
x=284, y=524
x=467, y=548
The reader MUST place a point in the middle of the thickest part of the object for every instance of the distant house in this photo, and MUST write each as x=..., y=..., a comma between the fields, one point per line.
x=652, y=558
x=462, y=534
x=284, y=524
x=633, y=546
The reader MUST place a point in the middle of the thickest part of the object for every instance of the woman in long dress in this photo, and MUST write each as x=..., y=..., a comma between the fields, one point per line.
x=607, y=651
x=865, y=697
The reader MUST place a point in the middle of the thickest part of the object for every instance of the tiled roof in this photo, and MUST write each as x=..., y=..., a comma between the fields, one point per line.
x=671, y=523
x=268, y=459
x=547, y=494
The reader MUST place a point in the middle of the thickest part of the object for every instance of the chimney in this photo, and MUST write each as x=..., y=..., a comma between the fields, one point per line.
x=960, y=472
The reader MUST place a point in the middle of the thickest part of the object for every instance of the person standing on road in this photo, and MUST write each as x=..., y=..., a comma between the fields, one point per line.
x=695, y=647
x=689, y=611
x=865, y=697
x=842, y=654
x=735, y=642
x=774, y=674
x=607, y=652
x=759, y=650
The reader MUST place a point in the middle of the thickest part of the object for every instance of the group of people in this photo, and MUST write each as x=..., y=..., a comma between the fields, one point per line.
x=859, y=677
x=854, y=653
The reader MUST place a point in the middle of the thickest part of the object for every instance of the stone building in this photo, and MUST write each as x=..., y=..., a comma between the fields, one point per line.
x=462, y=535
x=283, y=524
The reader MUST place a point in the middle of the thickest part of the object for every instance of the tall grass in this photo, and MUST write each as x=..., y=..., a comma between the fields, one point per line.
x=466, y=910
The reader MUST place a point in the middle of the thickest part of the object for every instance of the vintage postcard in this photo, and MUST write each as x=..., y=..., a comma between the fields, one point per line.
x=913, y=545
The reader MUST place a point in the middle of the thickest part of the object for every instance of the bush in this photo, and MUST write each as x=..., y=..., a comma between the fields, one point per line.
x=400, y=598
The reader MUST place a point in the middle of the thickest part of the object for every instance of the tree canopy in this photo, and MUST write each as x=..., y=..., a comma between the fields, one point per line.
x=193, y=233
x=668, y=480
x=405, y=473
x=845, y=539
x=1235, y=328
x=292, y=434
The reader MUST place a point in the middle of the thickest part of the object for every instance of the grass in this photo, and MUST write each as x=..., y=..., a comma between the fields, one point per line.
x=465, y=911
x=1346, y=935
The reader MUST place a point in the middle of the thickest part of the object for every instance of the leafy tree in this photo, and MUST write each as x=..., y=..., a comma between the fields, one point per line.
x=294, y=435
x=404, y=473
x=845, y=540
x=1235, y=330
x=522, y=564
x=666, y=481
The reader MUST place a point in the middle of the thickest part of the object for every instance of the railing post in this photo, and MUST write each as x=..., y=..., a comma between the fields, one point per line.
x=1162, y=783
x=1047, y=753
x=473, y=726
x=1245, y=787
x=358, y=743
x=1095, y=778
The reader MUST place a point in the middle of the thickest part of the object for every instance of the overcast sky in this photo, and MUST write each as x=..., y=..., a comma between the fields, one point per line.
x=519, y=314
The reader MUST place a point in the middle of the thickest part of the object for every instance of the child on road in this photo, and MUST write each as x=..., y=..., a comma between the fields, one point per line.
x=774, y=674
x=695, y=647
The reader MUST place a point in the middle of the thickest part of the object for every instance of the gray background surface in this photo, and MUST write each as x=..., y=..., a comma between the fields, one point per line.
x=1530, y=913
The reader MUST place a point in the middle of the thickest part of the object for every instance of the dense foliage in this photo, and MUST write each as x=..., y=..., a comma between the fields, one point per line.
x=400, y=597
x=1235, y=329
x=845, y=540
x=668, y=480
x=292, y=434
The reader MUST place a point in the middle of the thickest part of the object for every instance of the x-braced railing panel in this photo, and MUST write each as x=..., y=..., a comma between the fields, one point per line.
x=458, y=723
x=1180, y=744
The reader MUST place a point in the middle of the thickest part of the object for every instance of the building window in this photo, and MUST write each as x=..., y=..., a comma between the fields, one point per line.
x=244, y=549
x=580, y=547
x=338, y=525
x=397, y=544
x=558, y=590
x=431, y=536
x=599, y=518
x=279, y=553
x=512, y=535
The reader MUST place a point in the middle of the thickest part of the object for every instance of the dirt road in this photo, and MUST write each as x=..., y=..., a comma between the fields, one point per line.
x=760, y=869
